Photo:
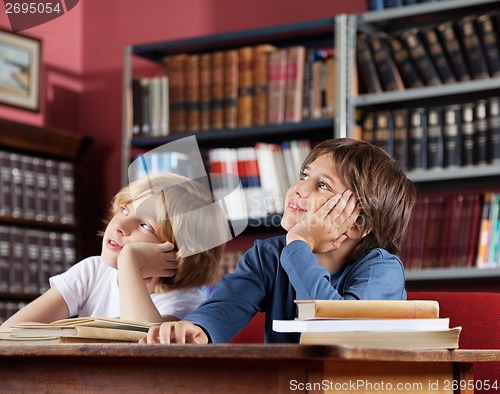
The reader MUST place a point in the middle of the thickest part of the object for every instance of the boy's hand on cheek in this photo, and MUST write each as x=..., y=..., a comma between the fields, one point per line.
x=324, y=230
x=151, y=259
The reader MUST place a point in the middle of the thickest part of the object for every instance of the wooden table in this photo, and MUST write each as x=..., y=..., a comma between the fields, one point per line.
x=233, y=368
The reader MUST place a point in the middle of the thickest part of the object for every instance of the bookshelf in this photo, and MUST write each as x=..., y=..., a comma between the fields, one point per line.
x=479, y=176
x=316, y=34
x=39, y=209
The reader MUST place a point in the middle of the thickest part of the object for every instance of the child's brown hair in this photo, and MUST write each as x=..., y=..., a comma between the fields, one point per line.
x=386, y=196
x=188, y=217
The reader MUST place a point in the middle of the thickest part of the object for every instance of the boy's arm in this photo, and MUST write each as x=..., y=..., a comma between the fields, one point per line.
x=50, y=306
x=138, y=264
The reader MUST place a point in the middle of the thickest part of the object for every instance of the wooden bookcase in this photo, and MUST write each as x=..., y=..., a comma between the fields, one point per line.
x=447, y=180
x=39, y=209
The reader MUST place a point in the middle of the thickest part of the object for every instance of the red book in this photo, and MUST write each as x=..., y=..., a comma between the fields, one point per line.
x=277, y=86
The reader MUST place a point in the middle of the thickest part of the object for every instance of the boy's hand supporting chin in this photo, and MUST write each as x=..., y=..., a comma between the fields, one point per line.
x=324, y=230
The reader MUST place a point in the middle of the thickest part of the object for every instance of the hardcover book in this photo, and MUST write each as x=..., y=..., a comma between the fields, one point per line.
x=453, y=50
x=434, y=138
x=294, y=83
x=217, y=91
x=387, y=71
x=421, y=58
x=260, y=83
x=441, y=339
x=245, y=86
x=230, y=93
x=475, y=57
x=277, y=86
x=452, y=137
x=367, y=71
x=368, y=309
x=176, y=71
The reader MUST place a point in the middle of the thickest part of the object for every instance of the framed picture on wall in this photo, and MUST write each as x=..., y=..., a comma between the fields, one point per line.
x=20, y=58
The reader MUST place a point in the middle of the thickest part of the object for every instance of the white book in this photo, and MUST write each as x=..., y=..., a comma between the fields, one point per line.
x=343, y=325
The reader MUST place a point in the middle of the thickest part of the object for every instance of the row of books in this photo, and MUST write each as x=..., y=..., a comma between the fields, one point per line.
x=28, y=257
x=266, y=172
x=372, y=323
x=36, y=188
x=252, y=181
x=439, y=137
x=380, y=5
x=450, y=52
x=453, y=231
x=238, y=88
x=9, y=307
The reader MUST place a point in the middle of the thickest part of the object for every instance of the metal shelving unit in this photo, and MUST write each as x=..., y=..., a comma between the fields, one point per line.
x=392, y=21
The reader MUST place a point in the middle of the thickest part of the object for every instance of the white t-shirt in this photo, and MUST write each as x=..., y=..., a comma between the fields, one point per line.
x=90, y=288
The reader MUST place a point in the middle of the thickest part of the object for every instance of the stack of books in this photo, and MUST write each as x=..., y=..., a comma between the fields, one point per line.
x=77, y=330
x=372, y=323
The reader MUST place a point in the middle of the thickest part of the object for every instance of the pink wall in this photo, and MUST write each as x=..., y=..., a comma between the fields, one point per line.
x=83, y=58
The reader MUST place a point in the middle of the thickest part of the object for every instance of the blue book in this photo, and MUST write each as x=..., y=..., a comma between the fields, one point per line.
x=393, y=3
x=375, y=5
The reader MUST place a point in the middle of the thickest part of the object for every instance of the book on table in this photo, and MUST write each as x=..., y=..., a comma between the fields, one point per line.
x=372, y=323
x=92, y=329
x=432, y=339
x=369, y=309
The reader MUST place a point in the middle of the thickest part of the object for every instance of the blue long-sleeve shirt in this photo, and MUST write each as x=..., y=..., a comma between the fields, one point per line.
x=271, y=275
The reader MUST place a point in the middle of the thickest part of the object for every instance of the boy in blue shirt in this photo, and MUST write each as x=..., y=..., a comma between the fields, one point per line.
x=345, y=220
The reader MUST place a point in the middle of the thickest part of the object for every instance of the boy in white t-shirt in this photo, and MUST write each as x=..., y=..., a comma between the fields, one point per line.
x=153, y=260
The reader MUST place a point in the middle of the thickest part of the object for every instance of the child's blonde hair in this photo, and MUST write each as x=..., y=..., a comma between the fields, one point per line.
x=186, y=216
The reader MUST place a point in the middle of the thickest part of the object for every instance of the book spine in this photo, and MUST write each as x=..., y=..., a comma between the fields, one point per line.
x=393, y=3
x=384, y=132
x=29, y=191
x=489, y=41
x=401, y=136
x=66, y=192
x=375, y=5
x=493, y=132
x=154, y=105
x=481, y=133
x=164, y=106
x=368, y=130
x=217, y=91
x=386, y=69
x=193, y=93
x=366, y=65
x=434, y=138
x=318, y=84
x=205, y=90
x=294, y=83
x=421, y=58
x=6, y=182
x=231, y=87
x=45, y=265
x=31, y=262
x=136, y=107
x=277, y=86
x=145, y=106
x=16, y=188
x=245, y=86
x=53, y=214
x=176, y=71
x=409, y=75
x=42, y=189
x=467, y=130
x=417, y=140
x=453, y=50
x=260, y=84
x=437, y=53
x=16, y=266
x=476, y=59
x=5, y=257
x=331, y=83
x=452, y=137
